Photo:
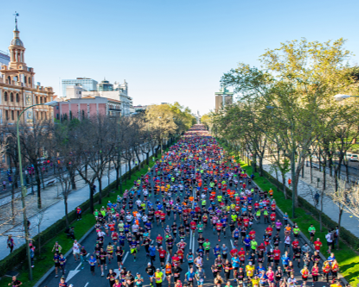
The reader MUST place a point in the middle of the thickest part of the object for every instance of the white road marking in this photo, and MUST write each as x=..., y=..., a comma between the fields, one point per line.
x=124, y=259
x=87, y=284
x=88, y=254
x=232, y=244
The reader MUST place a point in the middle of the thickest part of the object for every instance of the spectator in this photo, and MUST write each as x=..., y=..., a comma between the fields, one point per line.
x=329, y=238
x=78, y=213
x=10, y=243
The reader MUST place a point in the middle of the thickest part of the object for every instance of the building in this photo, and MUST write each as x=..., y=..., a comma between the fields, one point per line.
x=105, y=86
x=140, y=109
x=74, y=92
x=4, y=58
x=18, y=89
x=86, y=107
x=86, y=83
x=223, y=94
x=119, y=93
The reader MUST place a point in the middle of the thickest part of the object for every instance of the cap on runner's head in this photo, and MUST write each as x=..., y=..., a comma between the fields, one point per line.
x=207, y=240
x=250, y=263
x=242, y=249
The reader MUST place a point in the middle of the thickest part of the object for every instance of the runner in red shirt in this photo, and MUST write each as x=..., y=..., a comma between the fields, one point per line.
x=219, y=228
x=242, y=256
x=317, y=244
x=159, y=240
x=252, y=234
x=272, y=217
x=276, y=256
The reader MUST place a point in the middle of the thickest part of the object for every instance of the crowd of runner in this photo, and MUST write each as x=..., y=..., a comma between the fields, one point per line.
x=195, y=189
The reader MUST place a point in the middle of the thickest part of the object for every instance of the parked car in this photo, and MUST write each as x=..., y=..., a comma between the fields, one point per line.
x=354, y=157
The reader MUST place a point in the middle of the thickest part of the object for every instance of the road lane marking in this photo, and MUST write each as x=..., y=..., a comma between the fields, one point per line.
x=87, y=284
x=232, y=244
x=124, y=259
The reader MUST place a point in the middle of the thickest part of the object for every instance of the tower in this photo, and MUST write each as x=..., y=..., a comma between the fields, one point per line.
x=18, y=72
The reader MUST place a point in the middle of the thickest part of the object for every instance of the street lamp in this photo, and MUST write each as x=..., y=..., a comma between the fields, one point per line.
x=23, y=189
x=341, y=97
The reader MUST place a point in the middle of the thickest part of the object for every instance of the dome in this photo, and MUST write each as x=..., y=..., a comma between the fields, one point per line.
x=16, y=42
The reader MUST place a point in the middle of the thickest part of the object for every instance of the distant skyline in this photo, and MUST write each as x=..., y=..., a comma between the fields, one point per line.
x=166, y=50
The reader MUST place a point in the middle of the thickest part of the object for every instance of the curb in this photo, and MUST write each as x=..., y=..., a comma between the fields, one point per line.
x=52, y=269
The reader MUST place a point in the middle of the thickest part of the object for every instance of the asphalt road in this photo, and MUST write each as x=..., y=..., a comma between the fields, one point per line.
x=83, y=278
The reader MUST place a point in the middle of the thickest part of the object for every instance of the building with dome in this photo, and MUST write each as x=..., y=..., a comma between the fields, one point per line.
x=18, y=89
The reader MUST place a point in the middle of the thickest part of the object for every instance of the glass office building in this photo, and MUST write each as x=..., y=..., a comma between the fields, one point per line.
x=86, y=83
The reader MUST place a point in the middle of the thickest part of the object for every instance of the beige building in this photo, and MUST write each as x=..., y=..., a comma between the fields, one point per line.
x=18, y=89
x=219, y=96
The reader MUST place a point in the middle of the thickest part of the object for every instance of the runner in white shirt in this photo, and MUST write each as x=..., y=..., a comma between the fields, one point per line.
x=76, y=250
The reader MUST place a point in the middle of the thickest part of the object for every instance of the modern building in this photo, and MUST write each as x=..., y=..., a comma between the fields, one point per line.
x=86, y=83
x=18, y=89
x=223, y=98
x=105, y=86
x=4, y=58
x=86, y=107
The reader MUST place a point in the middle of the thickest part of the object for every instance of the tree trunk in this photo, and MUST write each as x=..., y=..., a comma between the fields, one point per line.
x=91, y=197
x=129, y=169
x=38, y=183
x=321, y=212
x=311, y=169
x=66, y=209
x=99, y=190
x=283, y=184
x=339, y=222
x=117, y=176
x=13, y=205
x=73, y=182
x=147, y=158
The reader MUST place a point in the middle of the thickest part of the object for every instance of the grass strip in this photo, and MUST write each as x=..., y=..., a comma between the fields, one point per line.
x=45, y=261
x=348, y=259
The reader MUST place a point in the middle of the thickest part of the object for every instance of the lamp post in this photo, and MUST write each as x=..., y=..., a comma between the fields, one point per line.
x=23, y=189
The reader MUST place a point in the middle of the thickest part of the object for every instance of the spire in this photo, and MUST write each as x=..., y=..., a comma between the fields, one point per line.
x=16, y=15
x=16, y=40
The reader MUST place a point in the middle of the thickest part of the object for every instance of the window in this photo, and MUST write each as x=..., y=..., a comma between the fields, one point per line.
x=7, y=115
x=40, y=100
x=12, y=115
x=37, y=100
x=5, y=96
x=18, y=114
x=58, y=116
x=83, y=114
x=11, y=97
x=29, y=80
x=25, y=80
x=9, y=80
x=17, y=98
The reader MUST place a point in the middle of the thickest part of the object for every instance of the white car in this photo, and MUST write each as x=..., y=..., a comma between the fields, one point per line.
x=354, y=157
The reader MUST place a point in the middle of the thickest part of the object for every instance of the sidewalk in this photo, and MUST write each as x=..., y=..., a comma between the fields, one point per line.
x=305, y=190
x=53, y=209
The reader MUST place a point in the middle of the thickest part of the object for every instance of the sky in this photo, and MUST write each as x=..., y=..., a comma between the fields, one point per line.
x=167, y=50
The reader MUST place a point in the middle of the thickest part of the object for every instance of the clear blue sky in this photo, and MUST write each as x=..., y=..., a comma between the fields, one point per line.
x=167, y=50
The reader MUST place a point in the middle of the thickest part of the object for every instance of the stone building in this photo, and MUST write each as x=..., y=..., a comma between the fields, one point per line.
x=18, y=89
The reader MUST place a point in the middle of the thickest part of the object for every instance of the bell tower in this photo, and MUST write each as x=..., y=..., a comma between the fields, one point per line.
x=17, y=72
x=17, y=50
